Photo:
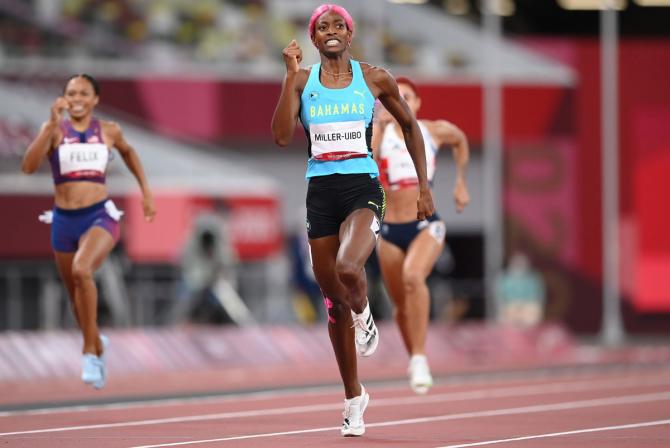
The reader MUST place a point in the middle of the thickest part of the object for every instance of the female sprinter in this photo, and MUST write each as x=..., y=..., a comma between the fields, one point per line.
x=85, y=222
x=334, y=101
x=408, y=249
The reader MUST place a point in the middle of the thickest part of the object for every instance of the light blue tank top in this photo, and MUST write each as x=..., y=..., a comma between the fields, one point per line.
x=338, y=125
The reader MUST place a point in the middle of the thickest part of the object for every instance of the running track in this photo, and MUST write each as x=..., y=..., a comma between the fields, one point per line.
x=607, y=405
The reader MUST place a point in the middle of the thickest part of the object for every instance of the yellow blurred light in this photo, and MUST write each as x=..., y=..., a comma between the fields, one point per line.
x=652, y=2
x=498, y=7
x=456, y=7
x=587, y=5
x=505, y=7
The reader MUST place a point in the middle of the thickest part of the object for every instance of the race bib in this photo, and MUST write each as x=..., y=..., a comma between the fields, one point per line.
x=82, y=158
x=342, y=139
x=401, y=167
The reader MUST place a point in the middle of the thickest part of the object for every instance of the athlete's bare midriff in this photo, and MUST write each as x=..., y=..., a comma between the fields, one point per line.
x=74, y=195
x=401, y=205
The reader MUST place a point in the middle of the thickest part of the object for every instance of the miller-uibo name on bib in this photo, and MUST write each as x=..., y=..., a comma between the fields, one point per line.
x=338, y=140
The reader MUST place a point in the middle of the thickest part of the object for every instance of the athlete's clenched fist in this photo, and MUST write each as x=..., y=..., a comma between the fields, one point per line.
x=292, y=56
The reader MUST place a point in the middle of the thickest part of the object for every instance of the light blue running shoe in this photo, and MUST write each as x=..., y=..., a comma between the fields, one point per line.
x=91, y=368
x=103, y=363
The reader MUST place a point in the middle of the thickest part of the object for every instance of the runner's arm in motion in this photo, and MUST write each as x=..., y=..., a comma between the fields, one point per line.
x=447, y=134
x=288, y=107
x=44, y=141
x=382, y=118
x=132, y=161
x=389, y=95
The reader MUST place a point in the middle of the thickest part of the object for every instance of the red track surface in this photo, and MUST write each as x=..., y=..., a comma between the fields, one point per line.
x=628, y=406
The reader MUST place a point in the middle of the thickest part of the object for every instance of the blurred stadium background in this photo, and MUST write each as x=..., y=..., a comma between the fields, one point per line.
x=194, y=84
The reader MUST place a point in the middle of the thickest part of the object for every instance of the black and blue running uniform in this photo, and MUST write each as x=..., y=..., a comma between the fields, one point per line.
x=342, y=175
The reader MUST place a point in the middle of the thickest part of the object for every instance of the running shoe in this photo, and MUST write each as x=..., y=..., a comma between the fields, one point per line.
x=91, y=368
x=103, y=363
x=367, y=335
x=354, y=408
x=420, y=379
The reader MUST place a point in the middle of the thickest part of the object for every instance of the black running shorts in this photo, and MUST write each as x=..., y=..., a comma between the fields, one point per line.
x=330, y=199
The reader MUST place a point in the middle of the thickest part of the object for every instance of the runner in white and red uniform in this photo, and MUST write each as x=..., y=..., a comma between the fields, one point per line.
x=407, y=248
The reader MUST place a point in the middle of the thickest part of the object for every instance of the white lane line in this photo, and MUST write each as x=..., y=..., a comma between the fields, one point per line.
x=569, y=405
x=564, y=433
x=190, y=418
x=561, y=385
x=247, y=396
x=506, y=392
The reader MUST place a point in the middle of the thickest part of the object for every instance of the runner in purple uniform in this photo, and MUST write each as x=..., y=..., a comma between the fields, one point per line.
x=85, y=222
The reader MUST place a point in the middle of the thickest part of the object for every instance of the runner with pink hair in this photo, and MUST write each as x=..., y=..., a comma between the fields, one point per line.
x=327, y=7
x=334, y=101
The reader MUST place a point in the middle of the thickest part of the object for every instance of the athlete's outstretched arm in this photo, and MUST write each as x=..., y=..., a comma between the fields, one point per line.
x=448, y=134
x=44, y=141
x=288, y=107
x=381, y=119
x=132, y=161
x=390, y=97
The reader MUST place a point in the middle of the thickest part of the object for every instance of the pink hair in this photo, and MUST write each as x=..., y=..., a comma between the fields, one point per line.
x=327, y=7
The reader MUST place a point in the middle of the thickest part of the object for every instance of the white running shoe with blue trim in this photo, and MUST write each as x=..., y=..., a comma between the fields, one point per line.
x=103, y=363
x=91, y=368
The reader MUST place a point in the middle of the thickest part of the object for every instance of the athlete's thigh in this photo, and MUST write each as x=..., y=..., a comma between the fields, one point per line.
x=64, y=265
x=423, y=252
x=94, y=246
x=358, y=236
x=323, y=254
x=391, y=259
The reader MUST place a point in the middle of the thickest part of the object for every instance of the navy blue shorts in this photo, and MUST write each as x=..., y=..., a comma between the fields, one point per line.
x=68, y=226
x=402, y=234
x=330, y=199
